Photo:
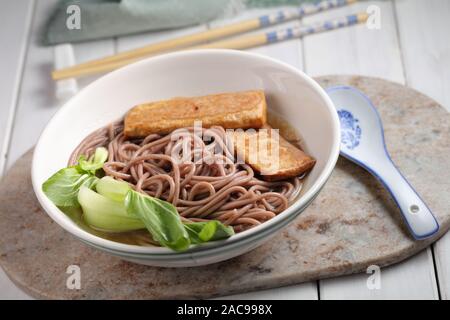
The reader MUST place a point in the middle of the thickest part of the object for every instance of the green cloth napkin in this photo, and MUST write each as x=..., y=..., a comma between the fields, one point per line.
x=109, y=18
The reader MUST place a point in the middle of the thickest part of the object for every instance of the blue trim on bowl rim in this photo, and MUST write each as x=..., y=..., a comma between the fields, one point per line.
x=374, y=173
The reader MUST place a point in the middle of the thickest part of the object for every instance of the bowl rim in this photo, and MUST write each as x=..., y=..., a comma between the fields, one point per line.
x=66, y=223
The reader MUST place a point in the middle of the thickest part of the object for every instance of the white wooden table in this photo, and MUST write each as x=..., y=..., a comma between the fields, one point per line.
x=412, y=47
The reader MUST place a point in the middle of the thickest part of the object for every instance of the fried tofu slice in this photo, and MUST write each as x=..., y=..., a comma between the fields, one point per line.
x=246, y=109
x=269, y=154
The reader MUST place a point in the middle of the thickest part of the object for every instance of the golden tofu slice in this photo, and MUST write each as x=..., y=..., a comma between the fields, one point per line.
x=246, y=109
x=269, y=154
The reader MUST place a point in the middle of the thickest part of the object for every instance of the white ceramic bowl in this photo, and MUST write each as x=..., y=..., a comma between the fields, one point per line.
x=290, y=93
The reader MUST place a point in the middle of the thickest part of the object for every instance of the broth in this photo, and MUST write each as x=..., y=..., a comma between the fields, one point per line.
x=143, y=237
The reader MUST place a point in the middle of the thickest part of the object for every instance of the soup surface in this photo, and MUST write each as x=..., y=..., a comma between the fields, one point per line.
x=143, y=237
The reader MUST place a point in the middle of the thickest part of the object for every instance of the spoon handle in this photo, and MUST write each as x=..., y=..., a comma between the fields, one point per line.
x=418, y=216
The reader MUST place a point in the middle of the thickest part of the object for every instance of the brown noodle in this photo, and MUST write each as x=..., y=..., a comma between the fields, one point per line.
x=213, y=188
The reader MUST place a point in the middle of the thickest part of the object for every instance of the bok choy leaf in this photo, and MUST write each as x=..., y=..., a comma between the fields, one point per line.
x=95, y=162
x=164, y=223
x=113, y=206
x=62, y=187
x=113, y=189
x=213, y=230
x=105, y=214
x=160, y=218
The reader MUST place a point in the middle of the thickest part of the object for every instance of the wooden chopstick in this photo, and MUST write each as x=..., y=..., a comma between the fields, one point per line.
x=242, y=42
x=245, y=42
x=124, y=58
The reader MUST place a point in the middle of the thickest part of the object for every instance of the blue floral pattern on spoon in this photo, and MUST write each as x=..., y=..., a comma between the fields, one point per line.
x=350, y=129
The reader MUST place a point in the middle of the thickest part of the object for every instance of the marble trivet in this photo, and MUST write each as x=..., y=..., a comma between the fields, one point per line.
x=352, y=224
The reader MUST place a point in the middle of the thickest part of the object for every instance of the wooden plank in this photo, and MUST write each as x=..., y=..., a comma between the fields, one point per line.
x=423, y=31
x=392, y=286
x=16, y=20
x=9, y=291
x=358, y=50
x=37, y=102
x=303, y=291
x=355, y=49
x=442, y=259
x=423, y=28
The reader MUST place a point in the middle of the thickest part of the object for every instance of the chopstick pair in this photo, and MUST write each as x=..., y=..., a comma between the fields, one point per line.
x=244, y=42
x=250, y=41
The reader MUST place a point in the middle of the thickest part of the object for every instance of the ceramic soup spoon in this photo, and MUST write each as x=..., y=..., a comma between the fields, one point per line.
x=362, y=141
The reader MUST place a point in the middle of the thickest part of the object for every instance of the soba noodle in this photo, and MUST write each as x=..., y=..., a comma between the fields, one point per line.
x=213, y=188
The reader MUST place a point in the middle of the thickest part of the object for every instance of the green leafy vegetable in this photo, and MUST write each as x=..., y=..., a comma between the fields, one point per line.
x=164, y=223
x=105, y=214
x=213, y=230
x=161, y=219
x=62, y=187
x=95, y=162
x=113, y=189
x=115, y=207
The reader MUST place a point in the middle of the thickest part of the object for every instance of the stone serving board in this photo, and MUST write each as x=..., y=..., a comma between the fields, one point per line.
x=352, y=224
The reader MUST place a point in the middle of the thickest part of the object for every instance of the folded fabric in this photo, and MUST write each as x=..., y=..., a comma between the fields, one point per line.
x=105, y=18
x=96, y=19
